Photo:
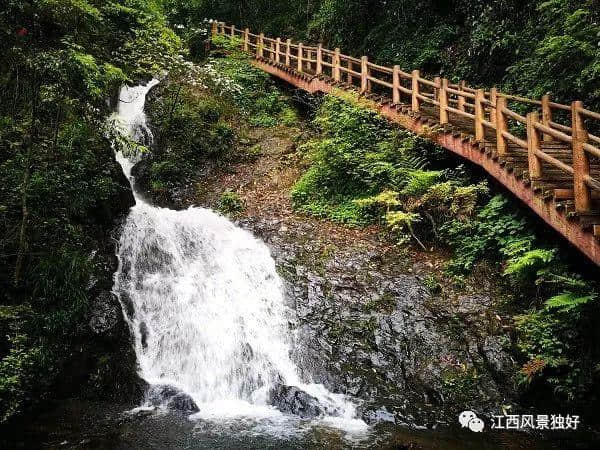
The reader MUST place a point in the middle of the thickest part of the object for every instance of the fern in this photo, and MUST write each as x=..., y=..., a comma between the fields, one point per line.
x=528, y=262
x=568, y=301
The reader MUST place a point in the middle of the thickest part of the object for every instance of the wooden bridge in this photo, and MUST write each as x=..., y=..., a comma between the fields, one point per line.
x=538, y=149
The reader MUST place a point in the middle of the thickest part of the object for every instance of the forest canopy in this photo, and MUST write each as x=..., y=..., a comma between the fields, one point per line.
x=530, y=47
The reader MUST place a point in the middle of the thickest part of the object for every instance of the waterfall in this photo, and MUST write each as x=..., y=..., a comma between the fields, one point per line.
x=209, y=316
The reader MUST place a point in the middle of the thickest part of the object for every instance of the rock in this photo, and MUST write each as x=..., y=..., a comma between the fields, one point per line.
x=290, y=399
x=373, y=417
x=106, y=317
x=172, y=398
x=368, y=327
x=144, y=334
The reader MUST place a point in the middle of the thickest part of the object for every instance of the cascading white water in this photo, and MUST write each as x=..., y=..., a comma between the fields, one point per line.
x=209, y=315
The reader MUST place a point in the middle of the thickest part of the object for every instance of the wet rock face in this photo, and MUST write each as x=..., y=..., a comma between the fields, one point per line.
x=367, y=327
x=171, y=398
x=106, y=317
x=291, y=400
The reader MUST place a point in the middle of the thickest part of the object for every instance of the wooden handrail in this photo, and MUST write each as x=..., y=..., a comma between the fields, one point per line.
x=490, y=108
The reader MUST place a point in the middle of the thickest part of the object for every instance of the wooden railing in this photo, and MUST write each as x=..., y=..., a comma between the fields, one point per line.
x=514, y=123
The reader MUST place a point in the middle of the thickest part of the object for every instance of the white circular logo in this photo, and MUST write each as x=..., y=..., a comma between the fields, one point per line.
x=468, y=419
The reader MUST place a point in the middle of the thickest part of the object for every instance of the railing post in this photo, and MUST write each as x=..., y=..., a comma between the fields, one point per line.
x=443, y=100
x=546, y=115
x=319, y=59
x=336, y=65
x=277, y=50
x=272, y=52
x=533, y=146
x=300, y=57
x=493, y=95
x=349, y=75
x=364, y=74
x=416, y=102
x=246, y=39
x=396, y=85
x=461, y=98
x=479, y=115
x=493, y=100
x=259, y=47
x=501, y=126
x=288, y=45
x=213, y=29
x=223, y=28
x=581, y=161
x=232, y=31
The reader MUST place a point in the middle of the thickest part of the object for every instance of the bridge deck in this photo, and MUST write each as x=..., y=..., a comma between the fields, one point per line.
x=565, y=191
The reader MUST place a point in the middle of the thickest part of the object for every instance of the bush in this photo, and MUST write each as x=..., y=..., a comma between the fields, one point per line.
x=230, y=203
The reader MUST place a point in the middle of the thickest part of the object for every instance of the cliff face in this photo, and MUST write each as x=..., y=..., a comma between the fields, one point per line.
x=101, y=363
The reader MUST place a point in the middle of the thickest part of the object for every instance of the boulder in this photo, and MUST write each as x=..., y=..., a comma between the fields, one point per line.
x=292, y=400
x=172, y=398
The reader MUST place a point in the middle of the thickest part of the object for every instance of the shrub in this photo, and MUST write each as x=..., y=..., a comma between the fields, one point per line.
x=230, y=203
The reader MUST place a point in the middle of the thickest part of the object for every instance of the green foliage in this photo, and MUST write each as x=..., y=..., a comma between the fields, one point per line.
x=59, y=63
x=555, y=341
x=230, y=203
x=460, y=385
x=357, y=162
x=361, y=170
x=528, y=264
x=248, y=88
x=200, y=111
x=495, y=229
